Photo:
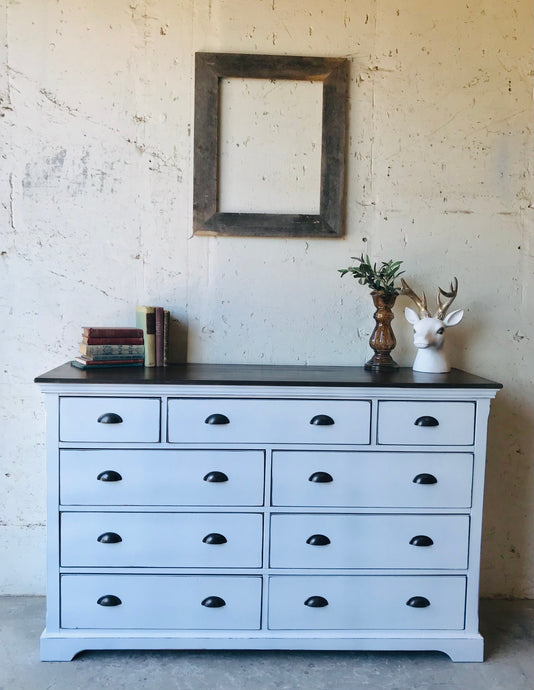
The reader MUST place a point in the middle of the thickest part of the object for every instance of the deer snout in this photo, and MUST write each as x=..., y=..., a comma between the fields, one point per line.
x=423, y=340
x=421, y=343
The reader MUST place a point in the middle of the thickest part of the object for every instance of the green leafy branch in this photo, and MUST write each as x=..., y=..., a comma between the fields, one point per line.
x=381, y=279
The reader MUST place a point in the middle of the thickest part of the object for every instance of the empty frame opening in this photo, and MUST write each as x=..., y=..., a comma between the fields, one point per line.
x=269, y=146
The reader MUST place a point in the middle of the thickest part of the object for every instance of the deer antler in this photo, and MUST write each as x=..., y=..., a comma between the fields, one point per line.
x=443, y=308
x=420, y=302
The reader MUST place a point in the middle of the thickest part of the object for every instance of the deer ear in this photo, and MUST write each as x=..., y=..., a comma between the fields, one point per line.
x=411, y=316
x=454, y=318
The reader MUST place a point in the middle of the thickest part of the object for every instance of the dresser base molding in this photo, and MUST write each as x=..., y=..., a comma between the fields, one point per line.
x=65, y=646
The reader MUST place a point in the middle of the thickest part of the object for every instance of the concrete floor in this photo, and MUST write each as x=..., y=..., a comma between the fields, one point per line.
x=508, y=627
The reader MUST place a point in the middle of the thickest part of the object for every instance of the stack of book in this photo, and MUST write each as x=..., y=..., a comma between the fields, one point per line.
x=110, y=347
x=155, y=323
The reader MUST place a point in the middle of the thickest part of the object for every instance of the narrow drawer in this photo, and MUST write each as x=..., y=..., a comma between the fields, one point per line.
x=426, y=423
x=369, y=541
x=359, y=602
x=226, y=420
x=162, y=477
x=109, y=420
x=156, y=602
x=375, y=480
x=165, y=540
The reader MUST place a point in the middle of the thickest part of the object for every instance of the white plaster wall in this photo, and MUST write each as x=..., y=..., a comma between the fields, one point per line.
x=96, y=107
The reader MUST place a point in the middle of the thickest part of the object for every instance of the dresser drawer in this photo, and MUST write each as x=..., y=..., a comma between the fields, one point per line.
x=162, y=477
x=109, y=420
x=165, y=540
x=225, y=420
x=426, y=423
x=158, y=602
x=372, y=479
x=344, y=602
x=369, y=541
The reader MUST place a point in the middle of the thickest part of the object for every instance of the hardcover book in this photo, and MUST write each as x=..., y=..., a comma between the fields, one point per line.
x=113, y=360
x=145, y=318
x=166, y=326
x=112, y=341
x=110, y=332
x=111, y=349
x=159, y=336
x=81, y=363
x=106, y=358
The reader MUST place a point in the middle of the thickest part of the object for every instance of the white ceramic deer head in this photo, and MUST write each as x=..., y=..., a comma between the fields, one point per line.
x=429, y=331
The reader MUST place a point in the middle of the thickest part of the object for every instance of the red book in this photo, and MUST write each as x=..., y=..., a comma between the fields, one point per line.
x=159, y=336
x=89, y=340
x=166, y=326
x=104, y=332
x=107, y=362
x=100, y=365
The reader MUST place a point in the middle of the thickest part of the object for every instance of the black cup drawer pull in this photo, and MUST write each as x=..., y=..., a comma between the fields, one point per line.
x=421, y=540
x=426, y=420
x=217, y=419
x=110, y=418
x=109, y=476
x=109, y=538
x=425, y=478
x=213, y=602
x=316, y=602
x=109, y=600
x=318, y=540
x=321, y=478
x=322, y=420
x=215, y=538
x=418, y=602
x=216, y=477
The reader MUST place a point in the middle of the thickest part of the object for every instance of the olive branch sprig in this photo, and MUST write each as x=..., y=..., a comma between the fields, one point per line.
x=381, y=278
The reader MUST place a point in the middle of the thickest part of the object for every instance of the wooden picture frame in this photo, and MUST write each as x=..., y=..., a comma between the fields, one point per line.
x=333, y=73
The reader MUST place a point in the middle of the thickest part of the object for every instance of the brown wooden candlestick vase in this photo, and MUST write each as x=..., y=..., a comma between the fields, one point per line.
x=382, y=339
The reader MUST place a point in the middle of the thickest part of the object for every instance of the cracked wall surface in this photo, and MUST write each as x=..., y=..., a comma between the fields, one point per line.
x=96, y=112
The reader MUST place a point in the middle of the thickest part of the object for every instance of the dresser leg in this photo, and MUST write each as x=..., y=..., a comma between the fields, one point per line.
x=58, y=649
x=467, y=650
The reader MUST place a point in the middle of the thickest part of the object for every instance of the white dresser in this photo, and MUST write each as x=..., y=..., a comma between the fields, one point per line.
x=264, y=507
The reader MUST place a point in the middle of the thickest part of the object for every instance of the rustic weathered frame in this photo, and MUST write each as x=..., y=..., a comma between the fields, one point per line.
x=210, y=68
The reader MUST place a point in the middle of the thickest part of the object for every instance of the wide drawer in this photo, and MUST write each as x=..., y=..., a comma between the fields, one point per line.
x=366, y=479
x=109, y=420
x=155, y=602
x=369, y=541
x=426, y=423
x=151, y=540
x=224, y=420
x=366, y=603
x=162, y=477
